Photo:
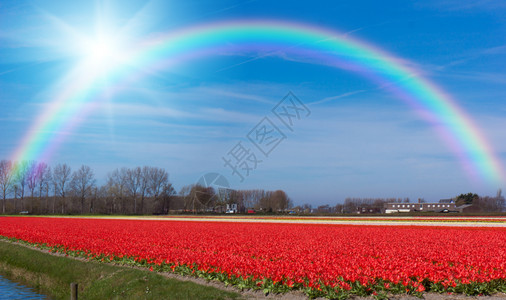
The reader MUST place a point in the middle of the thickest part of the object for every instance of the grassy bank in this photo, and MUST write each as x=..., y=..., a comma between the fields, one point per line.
x=52, y=275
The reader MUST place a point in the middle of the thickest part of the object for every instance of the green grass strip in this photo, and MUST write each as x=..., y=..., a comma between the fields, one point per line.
x=51, y=275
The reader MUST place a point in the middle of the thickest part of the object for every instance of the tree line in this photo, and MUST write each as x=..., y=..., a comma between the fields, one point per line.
x=377, y=205
x=352, y=206
x=37, y=188
x=482, y=203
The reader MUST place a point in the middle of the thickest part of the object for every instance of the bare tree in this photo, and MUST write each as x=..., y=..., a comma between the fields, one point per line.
x=280, y=201
x=101, y=200
x=134, y=182
x=62, y=177
x=185, y=194
x=143, y=188
x=266, y=201
x=500, y=201
x=202, y=197
x=157, y=179
x=116, y=183
x=6, y=180
x=239, y=197
x=44, y=183
x=32, y=180
x=83, y=181
x=121, y=194
x=54, y=183
x=15, y=189
x=166, y=196
x=21, y=170
x=93, y=199
x=339, y=208
x=258, y=199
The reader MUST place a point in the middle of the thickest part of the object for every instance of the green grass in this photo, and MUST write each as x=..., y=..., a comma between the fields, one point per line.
x=51, y=275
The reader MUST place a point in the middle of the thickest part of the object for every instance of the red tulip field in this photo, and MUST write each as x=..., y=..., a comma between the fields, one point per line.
x=326, y=260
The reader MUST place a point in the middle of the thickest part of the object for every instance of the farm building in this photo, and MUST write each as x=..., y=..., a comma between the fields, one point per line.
x=232, y=208
x=444, y=205
x=368, y=210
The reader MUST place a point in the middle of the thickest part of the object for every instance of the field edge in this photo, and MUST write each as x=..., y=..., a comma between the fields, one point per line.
x=51, y=275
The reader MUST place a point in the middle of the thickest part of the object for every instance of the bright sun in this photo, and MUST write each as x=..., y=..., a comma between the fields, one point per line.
x=101, y=48
x=101, y=52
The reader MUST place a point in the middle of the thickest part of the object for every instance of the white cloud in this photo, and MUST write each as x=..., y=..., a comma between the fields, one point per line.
x=467, y=6
x=332, y=98
x=225, y=92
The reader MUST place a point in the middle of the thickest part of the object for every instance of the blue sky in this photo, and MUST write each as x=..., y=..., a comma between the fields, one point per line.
x=360, y=140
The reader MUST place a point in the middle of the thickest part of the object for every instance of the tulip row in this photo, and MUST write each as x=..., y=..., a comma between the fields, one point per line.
x=320, y=259
x=445, y=219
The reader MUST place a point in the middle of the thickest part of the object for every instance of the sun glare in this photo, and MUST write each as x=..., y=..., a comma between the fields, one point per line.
x=101, y=53
x=101, y=50
x=103, y=46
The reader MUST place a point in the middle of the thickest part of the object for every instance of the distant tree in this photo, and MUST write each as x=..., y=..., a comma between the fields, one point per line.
x=44, y=172
x=93, y=199
x=243, y=198
x=134, y=180
x=266, y=201
x=324, y=209
x=32, y=180
x=62, y=175
x=491, y=204
x=353, y=205
x=157, y=179
x=6, y=180
x=15, y=189
x=350, y=205
x=83, y=182
x=280, y=201
x=108, y=203
x=201, y=197
x=464, y=199
x=378, y=204
x=21, y=172
x=167, y=195
x=184, y=193
x=116, y=187
x=54, y=184
x=100, y=201
x=306, y=207
x=143, y=188
x=501, y=202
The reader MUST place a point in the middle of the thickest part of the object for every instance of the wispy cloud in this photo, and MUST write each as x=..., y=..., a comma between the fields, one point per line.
x=465, y=58
x=496, y=50
x=458, y=5
x=128, y=113
x=229, y=116
x=332, y=98
x=488, y=77
x=147, y=110
x=224, y=9
x=234, y=94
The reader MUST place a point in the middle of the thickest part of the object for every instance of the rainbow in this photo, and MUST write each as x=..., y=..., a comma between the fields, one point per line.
x=307, y=43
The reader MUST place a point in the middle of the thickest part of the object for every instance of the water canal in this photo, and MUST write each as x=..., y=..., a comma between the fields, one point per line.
x=13, y=290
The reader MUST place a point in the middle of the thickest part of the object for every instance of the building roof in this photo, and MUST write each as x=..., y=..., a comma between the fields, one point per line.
x=446, y=201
